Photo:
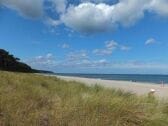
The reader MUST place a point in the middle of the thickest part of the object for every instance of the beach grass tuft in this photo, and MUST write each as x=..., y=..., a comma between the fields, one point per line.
x=36, y=100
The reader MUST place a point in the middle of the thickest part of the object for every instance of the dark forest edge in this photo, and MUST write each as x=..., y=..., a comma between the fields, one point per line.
x=9, y=62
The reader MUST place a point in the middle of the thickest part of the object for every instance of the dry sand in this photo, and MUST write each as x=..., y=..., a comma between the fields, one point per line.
x=138, y=88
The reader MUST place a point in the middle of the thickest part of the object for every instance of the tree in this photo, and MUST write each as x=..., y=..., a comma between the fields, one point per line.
x=10, y=63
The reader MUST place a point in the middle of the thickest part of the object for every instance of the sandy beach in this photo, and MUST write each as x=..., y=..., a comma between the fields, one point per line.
x=138, y=88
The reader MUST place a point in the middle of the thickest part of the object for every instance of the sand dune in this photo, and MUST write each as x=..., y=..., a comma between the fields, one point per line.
x=138, y=88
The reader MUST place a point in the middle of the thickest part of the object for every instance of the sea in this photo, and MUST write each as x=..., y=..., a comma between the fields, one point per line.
x=147, y=78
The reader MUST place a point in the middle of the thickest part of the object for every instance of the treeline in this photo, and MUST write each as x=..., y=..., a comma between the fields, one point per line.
x=9, y=62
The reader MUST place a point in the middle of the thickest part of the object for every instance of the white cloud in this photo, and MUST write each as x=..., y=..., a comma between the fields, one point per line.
x=43, y=61
x=96, y=1
x=52, y=22
x=125, y=48
x=77, y=56
x=89, y=16
x=35, y=8
x=103, y=62
x=150, y=41
x=82, y=61
x=65, y=46
x=102, y=52
x=110, y=47
x=59, y=5
x=138, y=65
x=120, y=65
x=98, y=17
x=160, y=7
x=28, y=8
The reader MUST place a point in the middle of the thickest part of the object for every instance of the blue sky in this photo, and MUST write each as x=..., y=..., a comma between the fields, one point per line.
x=87, y=36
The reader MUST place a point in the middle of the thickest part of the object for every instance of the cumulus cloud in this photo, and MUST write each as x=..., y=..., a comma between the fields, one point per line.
x=77, y=59
x=59, y=5
x=52, y=22
x=108, y=50
x=120, y=65
x=28, y=8
x=150, y=41
x=98, y=17
x=110, y=47
x=43, y=60
x=76, y=63
x=100, y=1
x=87, y=17
x=86, y=63
x=90, y=16
x=35, y=8
x=77, y=56
x=160, y=7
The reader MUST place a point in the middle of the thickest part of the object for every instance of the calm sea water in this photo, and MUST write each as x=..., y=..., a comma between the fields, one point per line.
x=158, y=79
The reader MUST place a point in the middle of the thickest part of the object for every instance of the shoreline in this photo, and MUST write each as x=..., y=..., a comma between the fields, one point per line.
x=132, y=81
x=139, y=88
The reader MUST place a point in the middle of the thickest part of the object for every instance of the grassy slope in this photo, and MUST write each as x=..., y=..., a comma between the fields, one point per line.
x=34, y=100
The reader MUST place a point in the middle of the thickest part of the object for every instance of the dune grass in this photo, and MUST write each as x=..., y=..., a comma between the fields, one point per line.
x=35, y=100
